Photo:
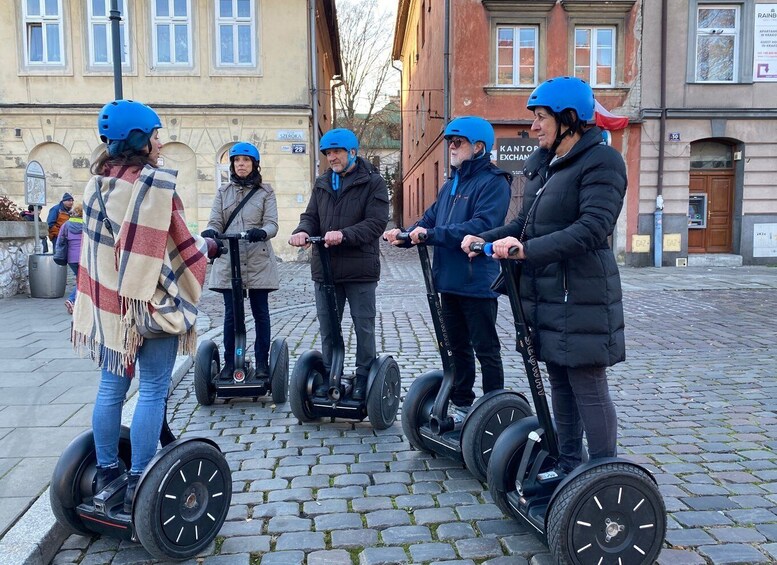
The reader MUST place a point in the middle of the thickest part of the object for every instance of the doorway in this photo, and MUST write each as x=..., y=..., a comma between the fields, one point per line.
x=712, y=183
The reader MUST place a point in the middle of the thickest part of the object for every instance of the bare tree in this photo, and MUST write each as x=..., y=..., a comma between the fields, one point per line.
x=366, y=33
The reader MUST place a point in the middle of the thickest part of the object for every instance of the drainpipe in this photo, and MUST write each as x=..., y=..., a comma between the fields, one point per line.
x=115, y=18
x=446, y=86
x=399, y=191
x=313, y=85
x=338, y=81
x=658, y=215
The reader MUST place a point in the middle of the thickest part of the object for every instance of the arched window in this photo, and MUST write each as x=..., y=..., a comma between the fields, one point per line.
x=711, y=155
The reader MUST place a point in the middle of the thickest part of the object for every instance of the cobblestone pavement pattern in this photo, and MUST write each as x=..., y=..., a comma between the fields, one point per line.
x=696, y=399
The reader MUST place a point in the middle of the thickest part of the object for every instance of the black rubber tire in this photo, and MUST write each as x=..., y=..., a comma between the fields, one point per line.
x=383, y=399
x=621, y=493
x=484, y=426
x=505, y=460
x=197, y=475
x=73, y=477
x=279, y=382
x=206, y=369
x=417, y=407
x=308, y=374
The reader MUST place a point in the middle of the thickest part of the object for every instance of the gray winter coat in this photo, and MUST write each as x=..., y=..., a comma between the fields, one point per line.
x=257, y=260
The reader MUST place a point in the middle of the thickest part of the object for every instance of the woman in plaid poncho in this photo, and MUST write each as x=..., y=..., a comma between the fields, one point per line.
x=140, y=277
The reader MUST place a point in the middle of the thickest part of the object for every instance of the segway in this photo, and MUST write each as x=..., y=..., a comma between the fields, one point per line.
x=604, y=512
x=244, y=381
x=180, y=503
x=315, y=394
x=425, y=420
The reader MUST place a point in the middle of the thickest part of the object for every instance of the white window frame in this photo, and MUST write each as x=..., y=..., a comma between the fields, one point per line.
x=591, y=64
x=93, y=20
x=44, y=20
x=735, y=32
x=171, y=21
x=516, y=63
x=235, y=21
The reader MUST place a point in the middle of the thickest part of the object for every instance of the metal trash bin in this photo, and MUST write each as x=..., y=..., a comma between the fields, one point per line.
x=47, y=279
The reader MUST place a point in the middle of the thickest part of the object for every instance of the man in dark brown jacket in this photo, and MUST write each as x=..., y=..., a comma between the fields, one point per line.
x=349, y=208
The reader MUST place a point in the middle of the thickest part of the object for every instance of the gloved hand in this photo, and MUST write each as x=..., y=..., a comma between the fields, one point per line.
x=256, y=234
x=209, y=233
x=216, y=247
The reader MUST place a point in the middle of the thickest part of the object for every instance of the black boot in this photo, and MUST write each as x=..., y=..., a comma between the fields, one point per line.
x=262, y=370
x=104, y=477
x=360, y=388
x=132, y=483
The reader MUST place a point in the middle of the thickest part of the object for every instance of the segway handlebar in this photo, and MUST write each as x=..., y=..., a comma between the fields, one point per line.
x=487, y=248
x=405, y=236
x=227, y=236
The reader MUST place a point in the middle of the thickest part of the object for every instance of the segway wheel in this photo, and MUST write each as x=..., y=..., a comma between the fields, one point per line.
x=611, y=513
x=73, y=477
x=183, y=500
x=383, y=398
x=417, y=407
x=307, y=376
x=502, y=474
x=484, y=426
x=279, y=369
x=206, y=369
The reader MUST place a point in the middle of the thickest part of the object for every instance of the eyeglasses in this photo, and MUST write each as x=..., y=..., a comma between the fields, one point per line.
x=456, y=142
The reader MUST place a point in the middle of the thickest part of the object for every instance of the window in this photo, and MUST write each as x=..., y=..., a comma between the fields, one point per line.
x=717, y=43
x=43, y=44
x=516, y=55
x=172, y=32
x=595, y=55
x=222, y=168
x=100, y=33
x=236, y=32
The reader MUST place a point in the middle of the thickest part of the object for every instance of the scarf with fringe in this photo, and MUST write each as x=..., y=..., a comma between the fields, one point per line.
x=150, y=275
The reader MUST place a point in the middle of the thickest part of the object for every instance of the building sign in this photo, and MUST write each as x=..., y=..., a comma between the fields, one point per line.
x=291, y=135
x=764, y=240
x=674, y=136
x=765, y=44
x=512, y=152
x=298, y=148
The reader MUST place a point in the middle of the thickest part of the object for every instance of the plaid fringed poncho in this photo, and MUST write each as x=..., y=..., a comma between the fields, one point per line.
x=152, y=274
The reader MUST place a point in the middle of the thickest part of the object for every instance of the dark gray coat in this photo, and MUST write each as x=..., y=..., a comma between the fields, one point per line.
x=360, y=210
x=570, y=284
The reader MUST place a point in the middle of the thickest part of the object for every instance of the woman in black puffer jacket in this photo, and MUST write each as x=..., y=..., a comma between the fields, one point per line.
x=570, y=284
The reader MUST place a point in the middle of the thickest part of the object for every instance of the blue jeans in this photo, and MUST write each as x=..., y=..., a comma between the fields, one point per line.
x=74, y=268
x=155, y=362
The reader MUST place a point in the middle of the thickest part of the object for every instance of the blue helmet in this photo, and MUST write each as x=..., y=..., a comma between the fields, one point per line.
x=120, y=117
x=244, y=148
x=339, y=138
x=473, y=129
x=563, y=93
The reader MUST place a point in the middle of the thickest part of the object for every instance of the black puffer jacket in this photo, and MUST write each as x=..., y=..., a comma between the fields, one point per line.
x=360, y=210
x=570, y=284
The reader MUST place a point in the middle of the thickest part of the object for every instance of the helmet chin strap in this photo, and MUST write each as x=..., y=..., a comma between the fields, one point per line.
x=559, y=137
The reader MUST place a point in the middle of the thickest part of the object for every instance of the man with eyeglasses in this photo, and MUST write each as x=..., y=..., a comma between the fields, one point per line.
x=476, y=196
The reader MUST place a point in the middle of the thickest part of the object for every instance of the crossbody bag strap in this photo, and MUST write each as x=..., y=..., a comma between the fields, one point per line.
x=239, y=207
x=105, y=219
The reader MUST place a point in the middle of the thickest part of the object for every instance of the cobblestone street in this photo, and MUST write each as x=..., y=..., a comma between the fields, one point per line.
x=696, y=400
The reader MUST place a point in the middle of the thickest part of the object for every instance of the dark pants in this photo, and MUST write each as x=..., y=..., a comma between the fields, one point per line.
x=581, y=401
x=361, y=300
x=471, y=323
x=261, y=311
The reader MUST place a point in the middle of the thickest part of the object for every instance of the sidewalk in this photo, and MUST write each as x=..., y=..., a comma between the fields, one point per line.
x=695, y=400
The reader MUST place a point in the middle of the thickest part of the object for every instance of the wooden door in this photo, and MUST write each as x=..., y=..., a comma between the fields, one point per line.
x=719, y=188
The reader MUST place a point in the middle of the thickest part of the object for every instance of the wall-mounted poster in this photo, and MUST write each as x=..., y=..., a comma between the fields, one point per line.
x=765, y=44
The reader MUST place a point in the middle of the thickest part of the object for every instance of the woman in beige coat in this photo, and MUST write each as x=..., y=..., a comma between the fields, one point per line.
x=259, y=219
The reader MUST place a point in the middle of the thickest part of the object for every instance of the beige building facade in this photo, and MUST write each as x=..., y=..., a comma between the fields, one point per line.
x=217, y=72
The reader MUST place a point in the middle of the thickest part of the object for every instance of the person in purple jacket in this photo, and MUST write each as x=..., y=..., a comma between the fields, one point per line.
x=70, y=238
